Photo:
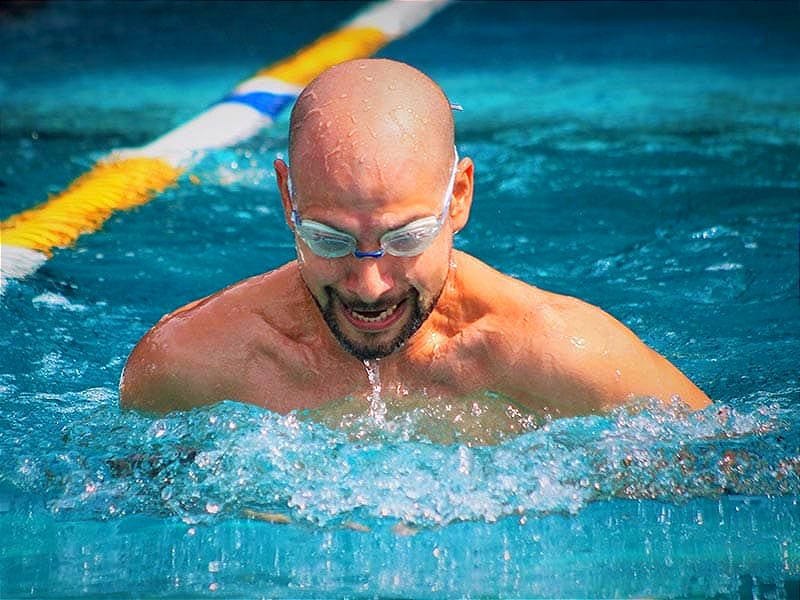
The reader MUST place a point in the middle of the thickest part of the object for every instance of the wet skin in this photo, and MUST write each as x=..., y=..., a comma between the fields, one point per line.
x=443, y=324
x=274, y=349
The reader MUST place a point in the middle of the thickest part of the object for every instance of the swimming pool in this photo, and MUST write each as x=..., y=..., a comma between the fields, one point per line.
x=641, y=157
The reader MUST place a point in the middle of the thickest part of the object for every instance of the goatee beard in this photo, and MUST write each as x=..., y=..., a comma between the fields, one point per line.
x=415, y=319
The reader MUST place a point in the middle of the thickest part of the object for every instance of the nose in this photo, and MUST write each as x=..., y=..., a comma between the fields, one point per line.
x=369, y=278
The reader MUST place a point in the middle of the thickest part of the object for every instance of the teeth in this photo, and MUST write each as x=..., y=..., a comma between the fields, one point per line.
x=383, y=315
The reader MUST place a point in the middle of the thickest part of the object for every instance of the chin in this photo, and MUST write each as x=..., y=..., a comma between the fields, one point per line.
x=366, y=345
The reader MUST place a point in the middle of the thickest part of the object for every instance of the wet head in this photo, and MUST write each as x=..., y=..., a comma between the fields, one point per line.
x=372, y=151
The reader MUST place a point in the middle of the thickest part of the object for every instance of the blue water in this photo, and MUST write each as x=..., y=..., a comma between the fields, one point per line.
x=643, y=157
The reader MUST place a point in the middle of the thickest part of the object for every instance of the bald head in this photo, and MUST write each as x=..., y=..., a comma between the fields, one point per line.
x=370, y=118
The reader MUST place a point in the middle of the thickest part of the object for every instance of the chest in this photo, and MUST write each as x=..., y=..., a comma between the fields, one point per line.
x=302, y=375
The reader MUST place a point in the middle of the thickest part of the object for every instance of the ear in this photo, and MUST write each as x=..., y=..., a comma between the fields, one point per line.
x=462, y=194
x=282, y=177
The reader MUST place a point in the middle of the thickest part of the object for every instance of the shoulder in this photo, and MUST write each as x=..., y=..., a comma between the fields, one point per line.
x=507, y=304
x=263, y=297
x=489, y=290
x=557, y=352
x=570, y=357
x=196, y=354
x=506, y=298
x=495, y=318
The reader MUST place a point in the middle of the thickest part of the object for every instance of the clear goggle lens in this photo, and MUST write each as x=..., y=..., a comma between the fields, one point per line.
x=410, y=240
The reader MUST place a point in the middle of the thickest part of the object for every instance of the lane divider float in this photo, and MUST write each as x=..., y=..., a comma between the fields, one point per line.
x=132, y=177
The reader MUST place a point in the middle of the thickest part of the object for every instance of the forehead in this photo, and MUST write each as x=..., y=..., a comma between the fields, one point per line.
x=378, y=185
x=370, y=137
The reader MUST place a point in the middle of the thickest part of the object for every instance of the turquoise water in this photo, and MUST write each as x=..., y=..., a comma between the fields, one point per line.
x=642, y=157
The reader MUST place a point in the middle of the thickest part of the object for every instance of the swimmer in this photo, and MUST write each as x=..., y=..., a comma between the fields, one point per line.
x=374, y=193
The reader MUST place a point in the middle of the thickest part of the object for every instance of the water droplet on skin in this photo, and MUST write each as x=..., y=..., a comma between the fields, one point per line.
x=578, y=342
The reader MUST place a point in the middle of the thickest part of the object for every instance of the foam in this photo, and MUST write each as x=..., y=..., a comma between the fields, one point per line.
x=229, y=460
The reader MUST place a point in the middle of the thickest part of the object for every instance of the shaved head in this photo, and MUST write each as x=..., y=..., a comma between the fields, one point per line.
x=366, y=122
x=371, y=149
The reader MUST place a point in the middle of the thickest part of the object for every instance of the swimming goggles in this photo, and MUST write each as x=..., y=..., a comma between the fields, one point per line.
x=409, y=240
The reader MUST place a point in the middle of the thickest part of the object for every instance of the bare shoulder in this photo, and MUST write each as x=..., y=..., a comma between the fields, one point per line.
x=195, y=355
x=501, y=300
x=567, y=356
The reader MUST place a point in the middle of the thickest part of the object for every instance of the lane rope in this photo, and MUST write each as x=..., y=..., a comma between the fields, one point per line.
x=131, y=177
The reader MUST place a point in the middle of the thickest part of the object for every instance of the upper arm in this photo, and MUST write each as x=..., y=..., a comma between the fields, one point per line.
x=164, y=372
x=587, y=360
x=618, y=366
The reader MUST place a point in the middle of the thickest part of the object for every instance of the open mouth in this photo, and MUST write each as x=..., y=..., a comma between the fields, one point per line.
x=374, y=320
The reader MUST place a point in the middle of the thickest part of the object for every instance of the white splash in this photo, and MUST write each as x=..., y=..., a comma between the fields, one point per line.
x=52, y=300
x=377, y=408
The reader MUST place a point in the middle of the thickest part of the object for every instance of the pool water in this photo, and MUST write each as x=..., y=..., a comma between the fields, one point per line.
x=642, y=157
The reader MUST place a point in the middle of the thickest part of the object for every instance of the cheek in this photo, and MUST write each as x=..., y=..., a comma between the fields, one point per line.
x=317, y=272
x=429, y=271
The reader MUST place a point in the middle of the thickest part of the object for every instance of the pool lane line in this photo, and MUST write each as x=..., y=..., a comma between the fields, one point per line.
x=131, y=177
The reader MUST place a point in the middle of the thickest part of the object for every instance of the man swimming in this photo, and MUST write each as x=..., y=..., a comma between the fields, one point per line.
x=374, y=195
